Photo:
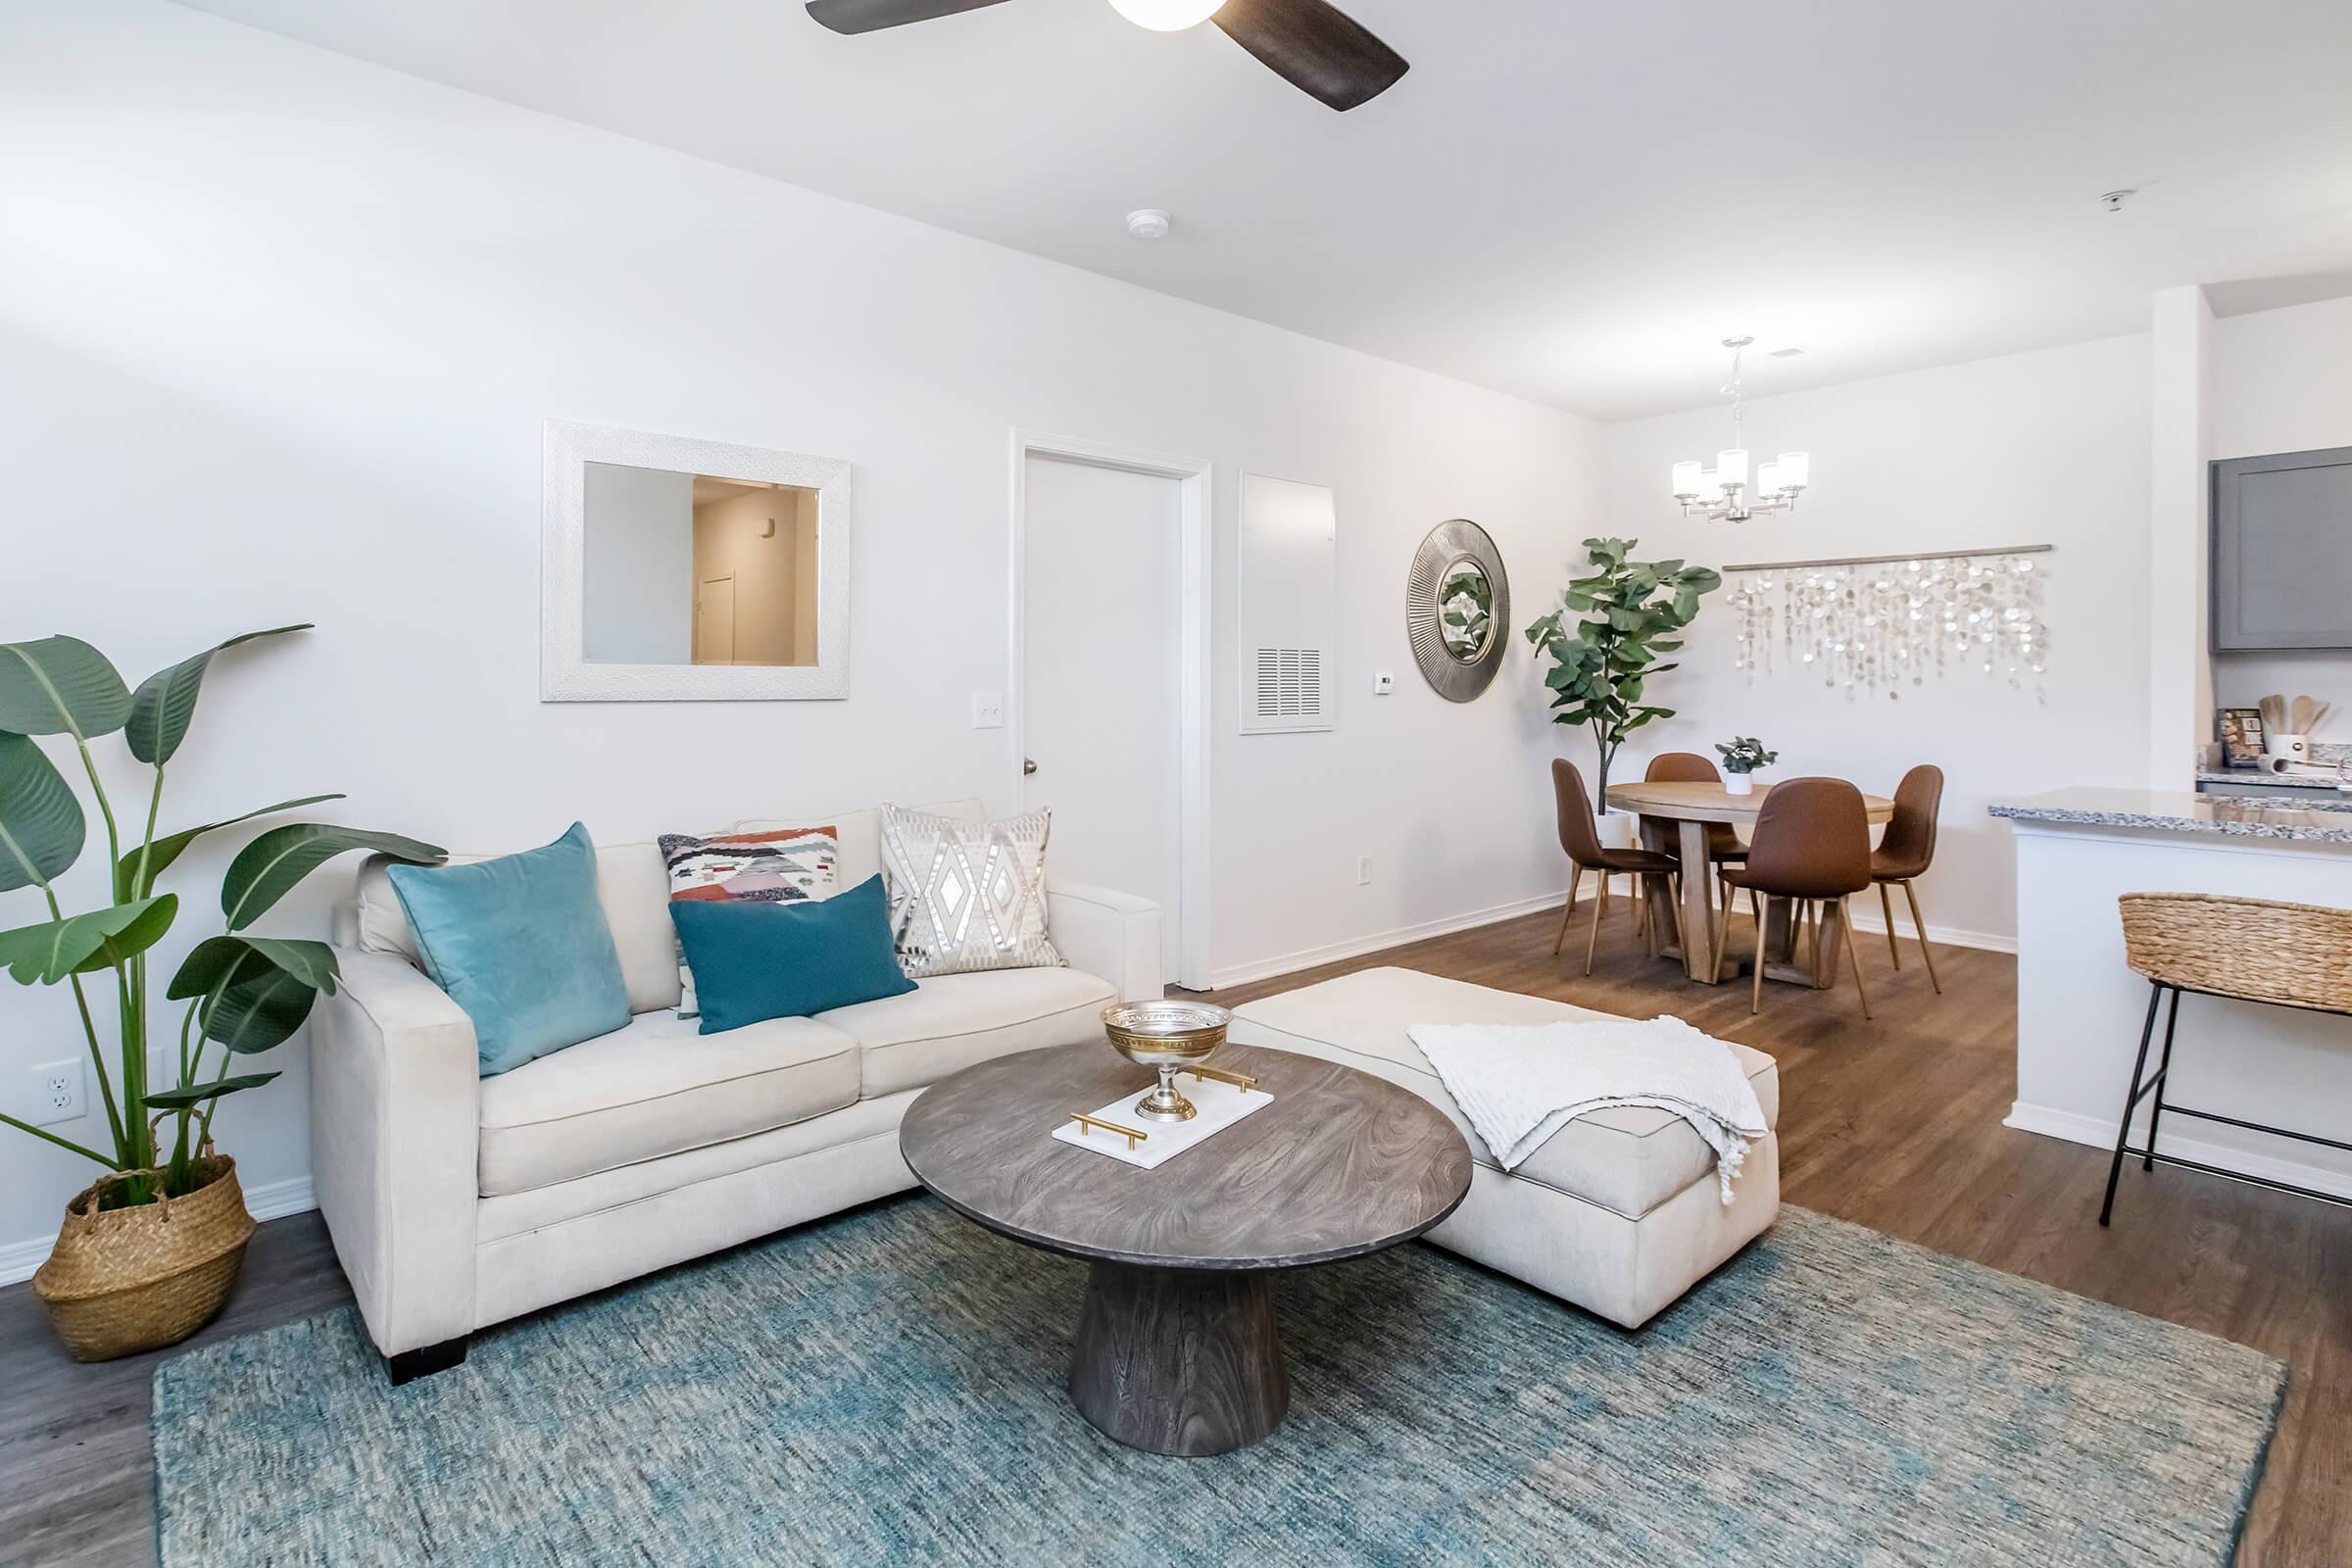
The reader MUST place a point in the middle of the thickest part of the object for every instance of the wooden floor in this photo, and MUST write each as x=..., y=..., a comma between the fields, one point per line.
x=1893, y=1124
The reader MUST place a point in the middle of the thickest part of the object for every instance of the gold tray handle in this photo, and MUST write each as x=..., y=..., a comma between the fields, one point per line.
x=1133, y=1134
x=1239, y=1080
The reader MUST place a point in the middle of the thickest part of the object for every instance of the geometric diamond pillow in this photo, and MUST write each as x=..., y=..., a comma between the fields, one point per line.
x=966, y=896
x=783, y=866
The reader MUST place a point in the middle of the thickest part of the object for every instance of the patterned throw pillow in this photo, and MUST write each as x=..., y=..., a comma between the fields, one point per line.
x=785, y=866
x=966, y=896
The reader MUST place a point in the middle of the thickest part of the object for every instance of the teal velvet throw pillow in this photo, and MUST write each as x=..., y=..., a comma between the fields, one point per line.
x=756, y=961
x=522, y=945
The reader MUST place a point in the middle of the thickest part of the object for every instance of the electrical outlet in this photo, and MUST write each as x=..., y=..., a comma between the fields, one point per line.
x=60, y=1093
x=1363, y=870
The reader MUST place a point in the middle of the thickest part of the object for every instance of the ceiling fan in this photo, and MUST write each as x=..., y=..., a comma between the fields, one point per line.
x=1309, y=44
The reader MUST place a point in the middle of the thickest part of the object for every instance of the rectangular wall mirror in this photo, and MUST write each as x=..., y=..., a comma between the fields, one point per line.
x=680, y=570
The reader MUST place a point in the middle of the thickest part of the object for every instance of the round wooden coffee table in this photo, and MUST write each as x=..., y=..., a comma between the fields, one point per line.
x=1177, y=1349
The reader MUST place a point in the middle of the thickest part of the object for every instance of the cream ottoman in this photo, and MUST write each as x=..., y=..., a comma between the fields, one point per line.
x=1618, y=1212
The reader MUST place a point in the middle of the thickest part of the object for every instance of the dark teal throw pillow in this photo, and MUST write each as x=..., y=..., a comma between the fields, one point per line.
x=755, y=961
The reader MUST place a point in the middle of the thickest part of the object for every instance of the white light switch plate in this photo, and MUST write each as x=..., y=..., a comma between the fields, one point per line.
x=1384, y=685
x=988, y=709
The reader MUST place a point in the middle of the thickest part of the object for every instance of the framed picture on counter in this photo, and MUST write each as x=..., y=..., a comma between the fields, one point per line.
x=2240, y=736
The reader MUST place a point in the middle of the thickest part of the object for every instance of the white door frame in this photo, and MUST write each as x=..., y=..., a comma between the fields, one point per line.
x=1196, y=482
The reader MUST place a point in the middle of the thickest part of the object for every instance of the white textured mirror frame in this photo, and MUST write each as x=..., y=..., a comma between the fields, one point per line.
x=566, y=676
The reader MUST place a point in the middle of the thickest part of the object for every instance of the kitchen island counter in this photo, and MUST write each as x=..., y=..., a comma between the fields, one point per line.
x=2081, y=1005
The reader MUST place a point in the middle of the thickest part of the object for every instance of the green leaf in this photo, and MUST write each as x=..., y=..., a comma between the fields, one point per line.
x=217, y=960
x=164, y=851
x=269, y=868
x=47, y=953
x=41, y=826
x=196, y=1094
x=59, y=686
x=165, y=700
x=257, y=1011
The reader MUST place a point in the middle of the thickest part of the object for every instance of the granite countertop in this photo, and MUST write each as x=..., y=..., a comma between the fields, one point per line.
x=2256, y=776
x=2323, y=821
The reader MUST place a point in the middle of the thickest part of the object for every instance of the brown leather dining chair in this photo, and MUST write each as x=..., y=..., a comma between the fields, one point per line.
x=1904, y=851
x=1689, y=767
x=1811, y=846
x=1580, y=837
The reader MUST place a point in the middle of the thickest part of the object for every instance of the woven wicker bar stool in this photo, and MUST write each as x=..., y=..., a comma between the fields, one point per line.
x=2245, y=949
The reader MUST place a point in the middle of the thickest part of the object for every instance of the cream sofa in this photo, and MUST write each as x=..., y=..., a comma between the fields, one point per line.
x=1619, y=1211
x=456, y=1200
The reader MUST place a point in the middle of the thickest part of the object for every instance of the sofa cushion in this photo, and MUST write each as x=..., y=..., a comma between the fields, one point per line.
x=859, y=834
x=756, y=961
x=521, y=944
x=1628, y=1159
x=632, y=886
x=653, y=1088
x=950, y=1021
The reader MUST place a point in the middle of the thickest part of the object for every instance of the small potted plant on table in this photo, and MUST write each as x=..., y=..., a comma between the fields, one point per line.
x=1743, y=755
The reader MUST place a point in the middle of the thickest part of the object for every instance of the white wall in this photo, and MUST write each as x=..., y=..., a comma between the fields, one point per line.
x=2044, y=448
x=2283, y=383
x=2180, y=595
x=244, y=276
x=636, y=602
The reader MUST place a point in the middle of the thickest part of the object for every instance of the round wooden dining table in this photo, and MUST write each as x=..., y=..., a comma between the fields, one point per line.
x=1674, y=821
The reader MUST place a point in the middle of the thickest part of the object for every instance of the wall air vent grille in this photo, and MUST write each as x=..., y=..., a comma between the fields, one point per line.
x=1289, y=611
x=1290, y=683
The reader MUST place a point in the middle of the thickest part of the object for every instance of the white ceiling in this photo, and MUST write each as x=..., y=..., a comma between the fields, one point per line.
x=1572, y=199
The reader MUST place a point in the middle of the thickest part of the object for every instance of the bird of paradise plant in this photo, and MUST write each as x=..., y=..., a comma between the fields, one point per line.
x=243, y=993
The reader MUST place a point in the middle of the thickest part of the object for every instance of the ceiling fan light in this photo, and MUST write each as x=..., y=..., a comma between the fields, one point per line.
x=1168, y=15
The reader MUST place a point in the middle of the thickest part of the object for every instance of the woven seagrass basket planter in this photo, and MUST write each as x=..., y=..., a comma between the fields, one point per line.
x=127, y=1280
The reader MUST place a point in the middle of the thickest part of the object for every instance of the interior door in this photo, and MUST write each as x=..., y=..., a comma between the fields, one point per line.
x=1102, y=553
x=715, y=622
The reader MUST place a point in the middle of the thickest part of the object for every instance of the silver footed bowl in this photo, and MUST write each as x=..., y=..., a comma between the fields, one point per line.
x=1169, y=1036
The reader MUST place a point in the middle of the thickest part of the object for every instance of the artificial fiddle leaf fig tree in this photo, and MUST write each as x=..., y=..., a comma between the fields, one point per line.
x=1601, y=664
x=242, y=993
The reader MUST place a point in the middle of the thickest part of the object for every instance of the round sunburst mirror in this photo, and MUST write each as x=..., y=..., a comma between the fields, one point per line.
x=1457, y=608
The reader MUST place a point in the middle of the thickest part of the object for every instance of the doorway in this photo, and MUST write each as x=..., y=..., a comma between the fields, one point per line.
x=715, y=622
x=1111, y=643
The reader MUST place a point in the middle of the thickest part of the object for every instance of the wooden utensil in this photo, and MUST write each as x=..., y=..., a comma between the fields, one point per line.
x=2273, y=713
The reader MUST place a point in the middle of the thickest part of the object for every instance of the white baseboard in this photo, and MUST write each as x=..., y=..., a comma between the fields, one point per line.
x=1310, y=958
x=2100, y=1133
x=1943, y=936
x=1866, y=915
x=18, y=1259
x=1865, y=920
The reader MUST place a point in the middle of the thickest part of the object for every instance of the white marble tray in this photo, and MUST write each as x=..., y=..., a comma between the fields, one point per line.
x=1220, y=1105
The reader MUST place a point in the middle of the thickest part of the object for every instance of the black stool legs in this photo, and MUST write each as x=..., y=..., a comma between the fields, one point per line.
x=2139, y=1091
x=2163, y=1073
x=2132, y=1097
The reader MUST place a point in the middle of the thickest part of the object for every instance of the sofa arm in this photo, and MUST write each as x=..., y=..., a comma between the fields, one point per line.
x=1114, y=936
x=395, y=1139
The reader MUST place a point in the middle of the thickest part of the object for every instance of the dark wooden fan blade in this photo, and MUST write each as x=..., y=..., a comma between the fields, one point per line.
x=871, y=16
x=1314, y=46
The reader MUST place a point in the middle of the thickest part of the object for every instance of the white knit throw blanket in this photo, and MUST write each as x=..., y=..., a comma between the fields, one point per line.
x=1520, y=1085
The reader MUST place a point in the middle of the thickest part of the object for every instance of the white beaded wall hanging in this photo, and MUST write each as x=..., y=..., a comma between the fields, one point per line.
x=1883, y=622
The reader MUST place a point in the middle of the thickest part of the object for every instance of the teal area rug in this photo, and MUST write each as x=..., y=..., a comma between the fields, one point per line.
x=887, y=1388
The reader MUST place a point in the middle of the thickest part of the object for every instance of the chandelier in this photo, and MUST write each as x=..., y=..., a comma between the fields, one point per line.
x=1724, y=493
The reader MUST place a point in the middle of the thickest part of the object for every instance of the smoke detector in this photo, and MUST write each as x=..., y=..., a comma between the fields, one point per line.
x=1147, y=223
